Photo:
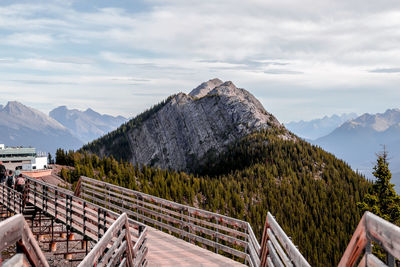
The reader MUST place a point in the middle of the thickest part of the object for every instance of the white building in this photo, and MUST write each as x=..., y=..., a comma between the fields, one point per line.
x=23, y=158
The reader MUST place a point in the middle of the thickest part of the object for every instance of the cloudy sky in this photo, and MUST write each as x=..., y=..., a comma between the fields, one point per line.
x=302, y=59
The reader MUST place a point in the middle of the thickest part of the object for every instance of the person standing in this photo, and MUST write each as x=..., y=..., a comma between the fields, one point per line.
x=10, y=185
x=20, y=183
x=3, y=173
x=10, y=179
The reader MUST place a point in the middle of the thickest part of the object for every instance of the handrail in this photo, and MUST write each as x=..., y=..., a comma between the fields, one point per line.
x=276, y=247
x=217, y=232
x=16, y=230
x=114, y=242
x=372, y=228
x=86, y=218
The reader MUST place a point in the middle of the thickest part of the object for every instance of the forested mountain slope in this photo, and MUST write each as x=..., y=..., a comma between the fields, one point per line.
x=312, y=194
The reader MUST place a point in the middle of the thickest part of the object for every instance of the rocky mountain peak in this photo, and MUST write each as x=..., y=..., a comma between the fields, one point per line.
x=204, y=88
x=14, y=107
x=181, y=132
x=17, y=114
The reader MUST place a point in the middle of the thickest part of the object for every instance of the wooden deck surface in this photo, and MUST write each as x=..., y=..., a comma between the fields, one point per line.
x=167, y=250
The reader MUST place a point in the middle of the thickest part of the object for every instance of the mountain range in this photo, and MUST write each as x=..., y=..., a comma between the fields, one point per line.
x=357, y=141
x=21, y=125
x=24, y=126
x=86, y=125
x=311, y=130
x=184, y=131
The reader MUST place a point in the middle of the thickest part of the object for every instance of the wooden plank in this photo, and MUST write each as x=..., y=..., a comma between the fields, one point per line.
x=99, y=248
x=255, y=259
x=129, y=245
x=140, y=242
x=363, y=262
x=274, y=256
x=385, y=232
x=117, y=255
x=14, y=230
x=140, y=257
x=253, y=239
x=373, y=261
x=269, y=262
x=31, y=247
x=10, y=231
x=292, y=252
x=116, y=244
x=279, y=249
x=355, y=246
x=123, y=263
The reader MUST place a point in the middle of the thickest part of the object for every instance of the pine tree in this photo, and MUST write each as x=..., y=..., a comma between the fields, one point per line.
x=382, y=199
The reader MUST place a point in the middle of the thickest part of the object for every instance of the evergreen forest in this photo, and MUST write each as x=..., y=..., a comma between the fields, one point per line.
x=312, y=194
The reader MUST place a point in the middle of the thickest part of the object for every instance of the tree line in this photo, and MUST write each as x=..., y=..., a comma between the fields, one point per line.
x=312, y=194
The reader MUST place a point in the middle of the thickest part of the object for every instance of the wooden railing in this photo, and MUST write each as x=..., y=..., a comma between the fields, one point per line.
x=372, y=228
x=276, y=247
x=15, y=230
x=88, y=219
x=110, y=249
x=216, y=232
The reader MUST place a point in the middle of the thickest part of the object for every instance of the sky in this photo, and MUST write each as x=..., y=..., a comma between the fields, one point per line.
x=302, y=59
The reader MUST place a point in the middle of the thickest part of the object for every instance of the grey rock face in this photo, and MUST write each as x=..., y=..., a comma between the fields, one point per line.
x=205, y=88
x=188, y=127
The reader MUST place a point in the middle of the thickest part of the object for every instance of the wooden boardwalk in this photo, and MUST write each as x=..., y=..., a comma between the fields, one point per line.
x=167, y=250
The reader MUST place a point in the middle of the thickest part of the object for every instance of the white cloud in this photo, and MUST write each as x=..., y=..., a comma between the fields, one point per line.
x=267, y=46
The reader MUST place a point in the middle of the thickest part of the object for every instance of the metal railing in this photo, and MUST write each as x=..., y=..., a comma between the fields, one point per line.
x=372, y=228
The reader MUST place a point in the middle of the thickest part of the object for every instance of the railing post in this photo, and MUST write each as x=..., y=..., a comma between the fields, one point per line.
x=34, y=194
x=137, y=208
x=55, y=203
x=264, y=248
x=216, y=236
x=190, y=226
x=98, y=224
x=181, y=222
x=13, y=191
x=84, y=218
x=391, y=262
x=104, y=222
x=20, y=203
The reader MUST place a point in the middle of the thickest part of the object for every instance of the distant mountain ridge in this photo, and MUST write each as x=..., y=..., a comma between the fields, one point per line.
x=86, y=125
x=181, y=132
x=24, y=126
x=357, y=141
x=317, y=128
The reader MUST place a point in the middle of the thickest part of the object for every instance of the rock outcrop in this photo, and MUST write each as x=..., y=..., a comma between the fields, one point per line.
x=181, y=133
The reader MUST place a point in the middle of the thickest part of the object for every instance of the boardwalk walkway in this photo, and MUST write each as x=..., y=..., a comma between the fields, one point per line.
x=167, y=250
